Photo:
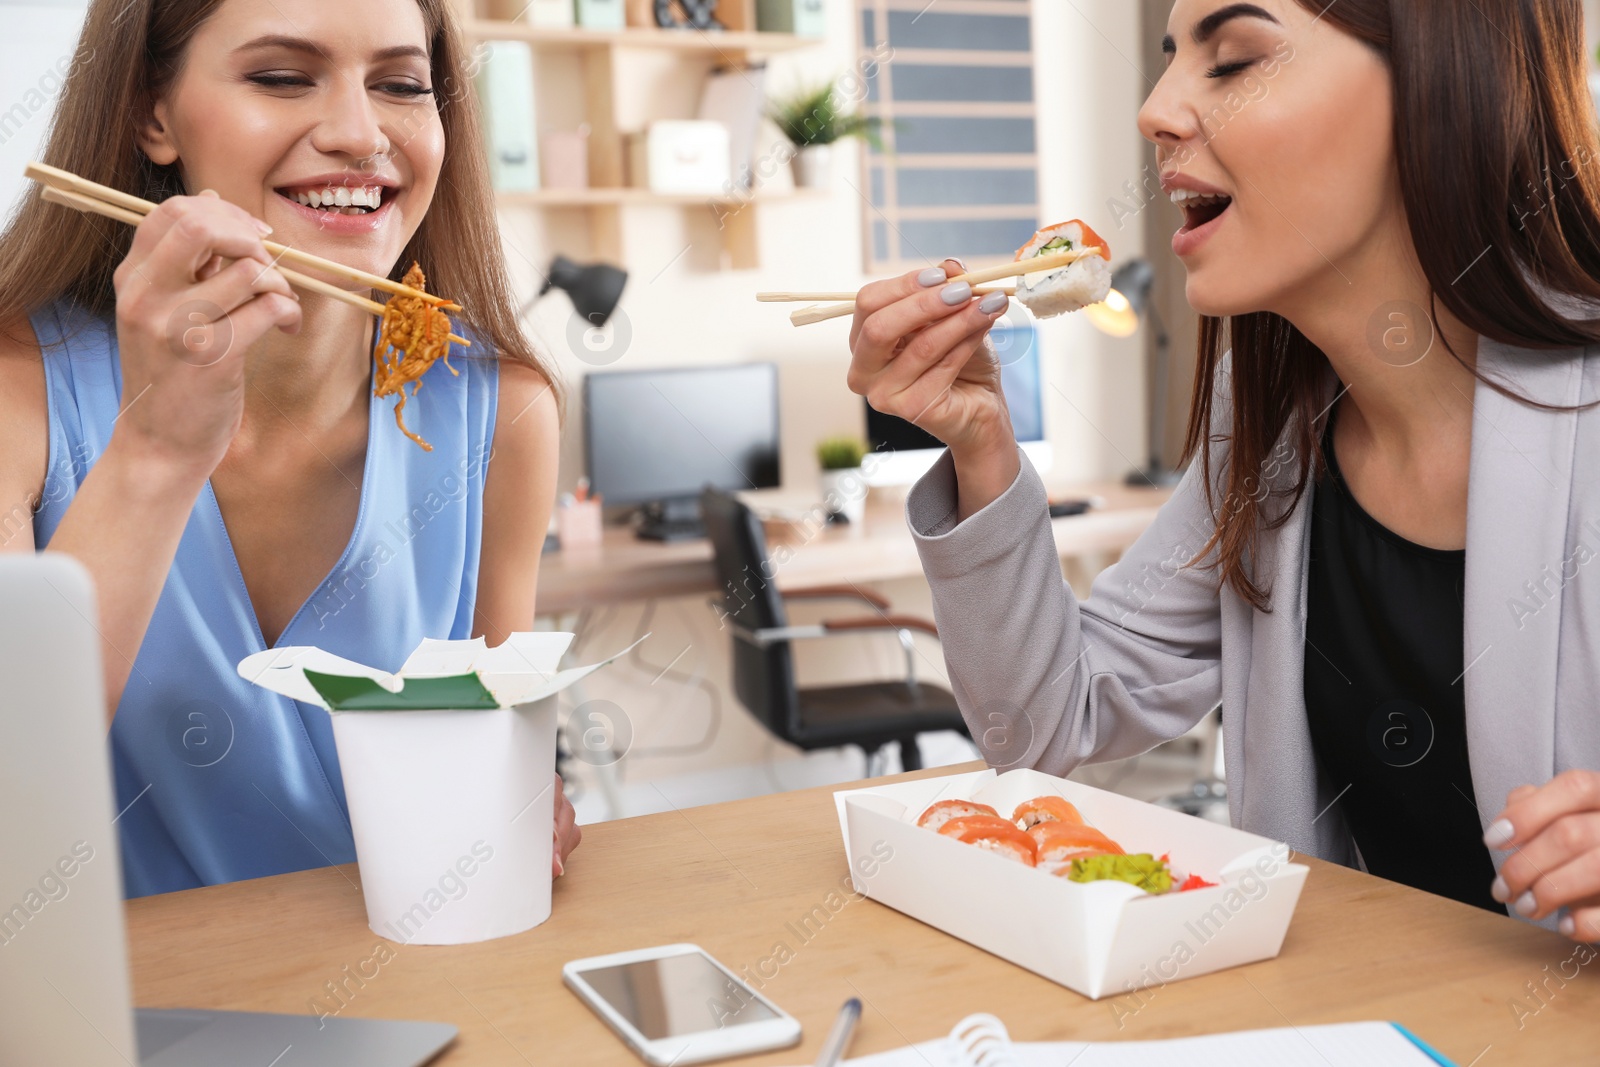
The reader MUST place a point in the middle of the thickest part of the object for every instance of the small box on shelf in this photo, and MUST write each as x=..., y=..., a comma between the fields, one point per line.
x=505, y=90
x=565, y=158
x=549, y=14
x=682, y=156
x=803, y=18
x=602, y=14
x=733, y=15
x=546, y=14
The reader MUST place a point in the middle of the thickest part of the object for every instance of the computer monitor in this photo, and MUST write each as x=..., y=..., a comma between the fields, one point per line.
x=903, y=452
x=658, y=437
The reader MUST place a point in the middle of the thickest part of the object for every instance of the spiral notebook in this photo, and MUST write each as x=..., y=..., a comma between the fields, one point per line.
x=982, y=1041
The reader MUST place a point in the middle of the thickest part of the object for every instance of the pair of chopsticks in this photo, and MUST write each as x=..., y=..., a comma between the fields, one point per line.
x=1018, y=269
x=67, y=189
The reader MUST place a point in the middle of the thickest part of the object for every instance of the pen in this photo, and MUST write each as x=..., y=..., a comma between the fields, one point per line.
x=838, y=1039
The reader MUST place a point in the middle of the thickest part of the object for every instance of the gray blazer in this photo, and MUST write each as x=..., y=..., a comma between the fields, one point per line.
x=1047, y=682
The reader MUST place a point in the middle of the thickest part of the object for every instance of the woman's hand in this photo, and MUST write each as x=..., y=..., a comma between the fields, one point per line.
x=185, y=318
x=919, y=350
x=567, y=831
x=1553, y=831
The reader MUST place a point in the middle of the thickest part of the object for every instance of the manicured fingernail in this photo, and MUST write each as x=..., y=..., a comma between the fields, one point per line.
x=1526, y=904
x=1499, y=890
x=956, y=293
x=957, y=262
x=1498, y=833
x=561, y=868
x=263, y=227
x=931, y=277
x=993, y=302
x=1566, y=926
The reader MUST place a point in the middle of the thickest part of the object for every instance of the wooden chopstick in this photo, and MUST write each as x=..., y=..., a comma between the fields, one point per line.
x=815, y=298
x=1017, y=269
x=79, y=201
x=49, y=176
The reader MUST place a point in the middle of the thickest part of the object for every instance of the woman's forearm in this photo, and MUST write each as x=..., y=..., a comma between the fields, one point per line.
x=124, y=526
x=983, y=475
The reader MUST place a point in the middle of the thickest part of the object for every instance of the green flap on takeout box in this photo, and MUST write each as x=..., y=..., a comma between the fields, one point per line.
x=461, y=692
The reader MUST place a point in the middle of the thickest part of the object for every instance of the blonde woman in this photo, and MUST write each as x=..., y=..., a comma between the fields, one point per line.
x=204, y=439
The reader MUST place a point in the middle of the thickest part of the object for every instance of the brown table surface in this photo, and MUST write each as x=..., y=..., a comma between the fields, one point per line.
x=1484, y=990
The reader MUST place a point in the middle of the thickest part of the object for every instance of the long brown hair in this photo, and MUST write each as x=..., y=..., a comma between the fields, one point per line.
x=1516, y=167
x=129, y=53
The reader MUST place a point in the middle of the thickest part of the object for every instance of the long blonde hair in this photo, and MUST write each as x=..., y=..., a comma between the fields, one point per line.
x=129, y=53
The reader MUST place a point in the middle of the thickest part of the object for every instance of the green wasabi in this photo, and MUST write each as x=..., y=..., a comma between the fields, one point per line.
x=1142, y=870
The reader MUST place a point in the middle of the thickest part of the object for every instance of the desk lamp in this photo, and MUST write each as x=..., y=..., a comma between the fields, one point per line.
x=1119, y=315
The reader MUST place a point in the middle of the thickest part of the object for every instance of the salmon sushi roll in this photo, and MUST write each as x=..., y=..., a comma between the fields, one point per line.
x=1077, y=285
x=1031, y=813
x=996, y=835
x=1061, y=843
x=942, y=811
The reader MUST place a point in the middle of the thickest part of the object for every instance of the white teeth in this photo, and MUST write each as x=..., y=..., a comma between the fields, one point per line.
x=339, y=197
x=1184, y=196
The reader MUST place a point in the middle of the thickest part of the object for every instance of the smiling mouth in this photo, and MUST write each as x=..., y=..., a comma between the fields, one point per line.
x=1200, y=209
x=339, y=199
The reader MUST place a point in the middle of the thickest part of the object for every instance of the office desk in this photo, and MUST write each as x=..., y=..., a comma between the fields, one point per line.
x=623, y=568
x=737, y=878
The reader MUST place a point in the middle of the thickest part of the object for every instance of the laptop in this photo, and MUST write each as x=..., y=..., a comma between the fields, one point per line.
x=64, y=986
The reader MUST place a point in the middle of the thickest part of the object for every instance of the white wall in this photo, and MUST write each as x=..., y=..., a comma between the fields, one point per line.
x=35, y=49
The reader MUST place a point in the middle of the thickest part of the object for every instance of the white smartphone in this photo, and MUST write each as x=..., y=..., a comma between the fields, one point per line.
x=675, y=1005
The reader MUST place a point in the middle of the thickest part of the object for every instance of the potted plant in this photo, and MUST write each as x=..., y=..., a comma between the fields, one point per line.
x=813, y=119
x=844, y=493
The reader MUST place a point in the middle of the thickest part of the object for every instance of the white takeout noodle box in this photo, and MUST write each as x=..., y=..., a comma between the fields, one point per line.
x=1103, y=938
x=449, y=774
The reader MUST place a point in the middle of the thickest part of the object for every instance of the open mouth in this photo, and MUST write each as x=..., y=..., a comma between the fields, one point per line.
x=1200, y=209
x=338, y=199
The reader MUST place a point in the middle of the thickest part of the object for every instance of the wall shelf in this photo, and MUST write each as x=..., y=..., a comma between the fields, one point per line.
x=566, y=198
x=750, y=42
x=602, y=83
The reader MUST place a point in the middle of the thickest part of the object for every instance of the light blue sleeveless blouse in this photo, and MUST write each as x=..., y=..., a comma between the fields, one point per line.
x=218, y=779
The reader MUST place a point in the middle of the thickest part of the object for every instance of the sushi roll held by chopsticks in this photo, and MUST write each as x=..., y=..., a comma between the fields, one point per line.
x=1075, y=272
x=1080, y=283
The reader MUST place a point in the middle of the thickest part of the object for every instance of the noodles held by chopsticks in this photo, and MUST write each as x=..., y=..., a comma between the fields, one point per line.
x=412, y=334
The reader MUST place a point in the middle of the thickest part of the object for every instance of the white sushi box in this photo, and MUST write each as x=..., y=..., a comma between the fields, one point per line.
x=680, y=156
x=1102, y=938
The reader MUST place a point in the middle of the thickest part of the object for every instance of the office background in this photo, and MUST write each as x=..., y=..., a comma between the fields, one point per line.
x=691, y=741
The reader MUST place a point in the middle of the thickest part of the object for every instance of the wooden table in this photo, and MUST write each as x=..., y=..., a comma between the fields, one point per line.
x=622, y=568
x=737, y=878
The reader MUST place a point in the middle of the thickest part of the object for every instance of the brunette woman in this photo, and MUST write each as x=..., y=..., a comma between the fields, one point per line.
x=1378, y=560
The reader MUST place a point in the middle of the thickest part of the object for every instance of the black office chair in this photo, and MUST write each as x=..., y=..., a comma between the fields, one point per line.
x=869, y=715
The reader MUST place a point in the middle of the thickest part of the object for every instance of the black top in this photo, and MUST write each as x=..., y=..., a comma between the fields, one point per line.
x=1385, y=699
